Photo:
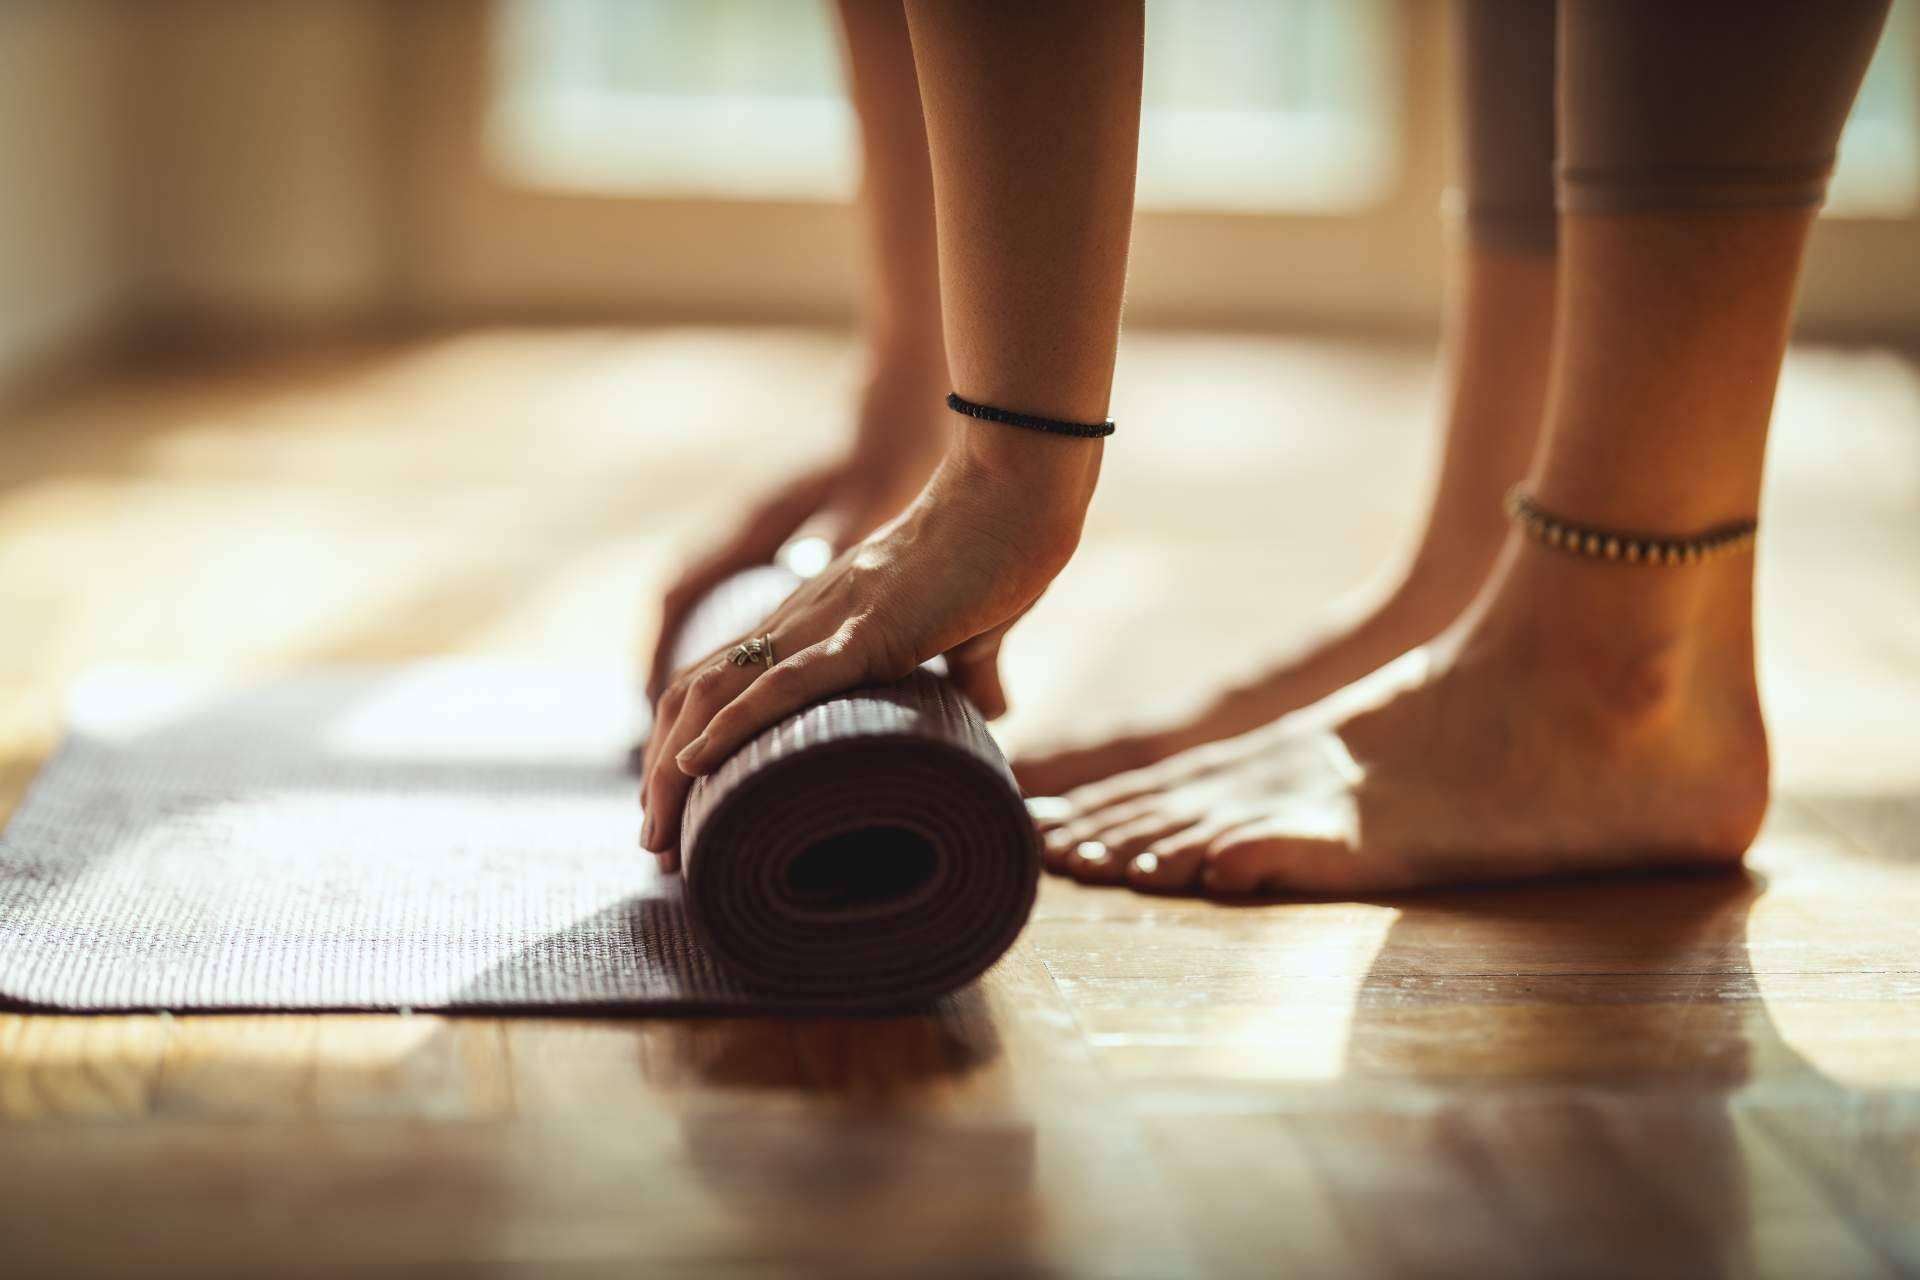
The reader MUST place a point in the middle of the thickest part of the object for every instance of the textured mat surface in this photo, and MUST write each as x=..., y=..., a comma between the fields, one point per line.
x=441, y=836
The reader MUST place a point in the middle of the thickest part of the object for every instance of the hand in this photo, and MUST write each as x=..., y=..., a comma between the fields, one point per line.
x=998, y=520
x=842, y=501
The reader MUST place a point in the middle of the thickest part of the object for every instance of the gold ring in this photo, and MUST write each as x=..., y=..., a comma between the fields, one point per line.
x=748, y=652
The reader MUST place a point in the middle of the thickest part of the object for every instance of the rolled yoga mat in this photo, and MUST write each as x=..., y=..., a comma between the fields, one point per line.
x=871, y=849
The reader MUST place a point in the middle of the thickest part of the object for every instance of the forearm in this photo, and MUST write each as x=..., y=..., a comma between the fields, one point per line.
x=1032, y=115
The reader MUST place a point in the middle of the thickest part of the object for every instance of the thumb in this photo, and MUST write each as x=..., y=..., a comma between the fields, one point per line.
x=974, y=668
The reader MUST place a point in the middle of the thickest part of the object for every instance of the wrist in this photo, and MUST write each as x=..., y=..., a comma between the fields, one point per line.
x=1060, y=469
x=1028, y=480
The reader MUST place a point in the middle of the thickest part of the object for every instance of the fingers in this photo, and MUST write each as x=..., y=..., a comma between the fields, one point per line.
x=974, y=668
x=714, y=708
x=827, y=667
x=665, y=709
x=674, y=608
x=692, y=700
x=776, y=518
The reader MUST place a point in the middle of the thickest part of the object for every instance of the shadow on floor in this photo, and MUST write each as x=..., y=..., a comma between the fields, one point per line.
x=1637, y=998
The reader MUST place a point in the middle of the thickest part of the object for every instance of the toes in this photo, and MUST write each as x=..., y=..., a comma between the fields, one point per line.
x=1085, y=812
x=1127, y=840
x=1257, y=859
x=1243, y=817
x=1125, y=788
x=1049, y=812
x=1064, y=840
x=1058, y=846
x=1154, y=872
x=1093, y=863
x=1234, y=869
x=1172, y=864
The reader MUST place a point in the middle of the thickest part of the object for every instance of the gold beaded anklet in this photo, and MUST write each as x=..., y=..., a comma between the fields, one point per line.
x=1604, y=544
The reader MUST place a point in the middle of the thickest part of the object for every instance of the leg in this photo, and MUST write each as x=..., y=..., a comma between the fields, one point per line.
x=1587, y=714
x=900, y=427
x=1499, y=335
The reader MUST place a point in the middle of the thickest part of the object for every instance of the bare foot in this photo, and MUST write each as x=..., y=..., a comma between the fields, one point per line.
x=1531, y=739
x=1350, y=644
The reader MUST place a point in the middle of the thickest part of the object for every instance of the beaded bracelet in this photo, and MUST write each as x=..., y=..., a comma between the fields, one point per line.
x=1604, y=544
x=1032, y=422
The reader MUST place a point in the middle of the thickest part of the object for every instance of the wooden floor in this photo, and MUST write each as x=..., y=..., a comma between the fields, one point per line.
x=1679, y=1077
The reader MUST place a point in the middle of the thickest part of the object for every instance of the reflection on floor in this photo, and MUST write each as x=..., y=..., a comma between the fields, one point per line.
x=1676, y=1076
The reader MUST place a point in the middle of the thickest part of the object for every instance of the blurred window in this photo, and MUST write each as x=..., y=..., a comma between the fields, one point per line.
x=1879, y=170
x=737, y=98
x=1251, y=105
x=1288, y=105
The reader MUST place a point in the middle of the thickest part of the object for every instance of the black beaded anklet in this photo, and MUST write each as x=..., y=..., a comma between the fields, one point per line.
x=1602, y=544
x=987, y=413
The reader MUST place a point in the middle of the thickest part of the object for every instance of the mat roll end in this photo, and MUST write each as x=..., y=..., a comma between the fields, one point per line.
x=869, y=851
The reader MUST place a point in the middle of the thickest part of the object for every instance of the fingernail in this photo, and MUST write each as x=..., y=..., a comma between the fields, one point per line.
x=690, y=754
x=646, y=834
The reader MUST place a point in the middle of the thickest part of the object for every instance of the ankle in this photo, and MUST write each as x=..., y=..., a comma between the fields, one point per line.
x=1626, y=651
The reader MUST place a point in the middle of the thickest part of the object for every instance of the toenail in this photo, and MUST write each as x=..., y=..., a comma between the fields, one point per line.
x=1146, y=864
x=1092, y=852
x=1049, y=808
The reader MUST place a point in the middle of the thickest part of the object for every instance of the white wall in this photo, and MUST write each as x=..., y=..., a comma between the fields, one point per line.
x=260, y=158
x=63, y=277
x=173, y=165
